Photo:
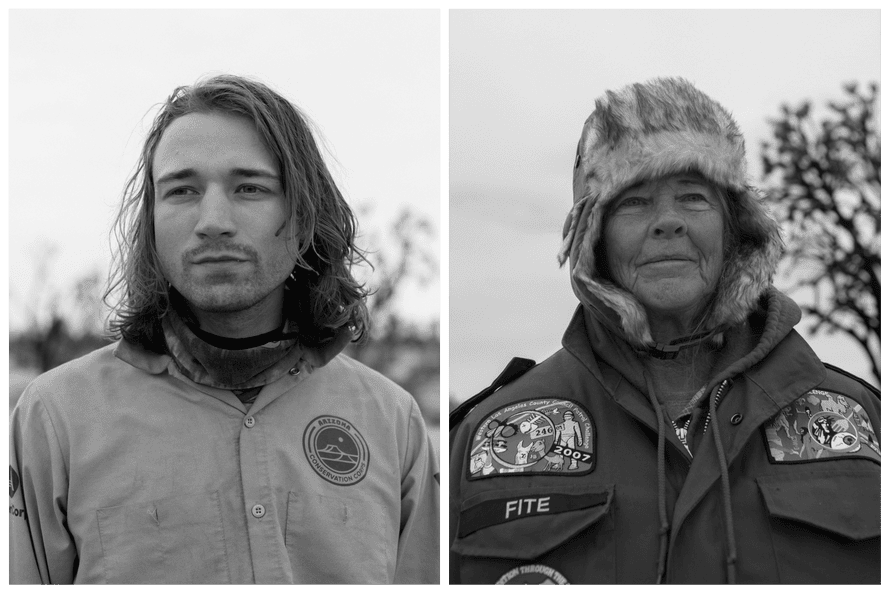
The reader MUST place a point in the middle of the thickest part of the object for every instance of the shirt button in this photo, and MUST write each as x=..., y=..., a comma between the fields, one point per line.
x=258, y=511
x=249, y=422
x=294, y=371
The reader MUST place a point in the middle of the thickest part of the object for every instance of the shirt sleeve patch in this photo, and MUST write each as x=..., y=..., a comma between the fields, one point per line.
x=542, y=436
x=821, y=425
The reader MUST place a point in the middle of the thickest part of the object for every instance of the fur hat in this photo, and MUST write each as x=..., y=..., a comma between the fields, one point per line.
x=644, y=131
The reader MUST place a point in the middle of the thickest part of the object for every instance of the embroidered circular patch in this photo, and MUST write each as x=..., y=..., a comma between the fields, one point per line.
x=834, y=432
x=336, y=450
x=544, y=436
x=539, y=575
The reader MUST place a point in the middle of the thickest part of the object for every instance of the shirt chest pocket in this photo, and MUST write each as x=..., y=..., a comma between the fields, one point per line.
x=825, y=522
x=175, y=540
x=334, y=539
x=547, y=535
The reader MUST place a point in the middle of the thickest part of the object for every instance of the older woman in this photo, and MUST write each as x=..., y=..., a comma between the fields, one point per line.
x=685, y=433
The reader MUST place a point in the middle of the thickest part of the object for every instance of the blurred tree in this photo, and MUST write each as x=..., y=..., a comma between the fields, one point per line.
x=405, y=352
x=824, y=180
x=61, y=323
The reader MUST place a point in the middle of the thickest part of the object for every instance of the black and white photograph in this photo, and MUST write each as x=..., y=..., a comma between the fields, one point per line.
x=664, y=315
x=224, y=234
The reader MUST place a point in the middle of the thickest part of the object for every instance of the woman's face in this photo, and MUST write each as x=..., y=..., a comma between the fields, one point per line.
x=664, y=244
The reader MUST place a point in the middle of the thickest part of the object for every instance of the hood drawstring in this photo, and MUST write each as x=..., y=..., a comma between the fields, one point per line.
x=664, y=529
x=724, y=484
x=662, y=482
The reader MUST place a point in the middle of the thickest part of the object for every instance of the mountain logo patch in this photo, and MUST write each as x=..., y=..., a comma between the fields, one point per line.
x=336, y=450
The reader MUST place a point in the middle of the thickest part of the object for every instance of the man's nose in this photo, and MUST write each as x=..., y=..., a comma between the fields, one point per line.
x=216, y=213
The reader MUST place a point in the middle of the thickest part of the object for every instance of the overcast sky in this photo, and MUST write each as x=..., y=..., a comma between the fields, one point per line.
x=83, y=86
x=522, y=84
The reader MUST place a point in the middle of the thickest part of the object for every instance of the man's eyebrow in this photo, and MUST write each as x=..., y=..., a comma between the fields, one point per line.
x=248, y=172
x=188, y=172
x=177, y=175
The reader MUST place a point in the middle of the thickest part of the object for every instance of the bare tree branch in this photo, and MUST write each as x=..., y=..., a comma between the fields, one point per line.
x=825, y=183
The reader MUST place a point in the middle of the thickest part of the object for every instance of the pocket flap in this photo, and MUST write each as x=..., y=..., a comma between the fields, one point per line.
x=845, y=503
x=526, y=523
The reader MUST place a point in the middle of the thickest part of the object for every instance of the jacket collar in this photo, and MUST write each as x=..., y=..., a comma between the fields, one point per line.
x=769, y=330
x=141, y=358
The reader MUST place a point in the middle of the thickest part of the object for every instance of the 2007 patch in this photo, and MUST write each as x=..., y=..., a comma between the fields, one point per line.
x=541, y=436
x=821, y=425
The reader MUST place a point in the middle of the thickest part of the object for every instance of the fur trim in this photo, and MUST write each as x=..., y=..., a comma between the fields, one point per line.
x=650, y=130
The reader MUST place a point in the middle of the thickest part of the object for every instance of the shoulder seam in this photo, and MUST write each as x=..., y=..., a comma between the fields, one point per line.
x=858, y=379
x=514, y=369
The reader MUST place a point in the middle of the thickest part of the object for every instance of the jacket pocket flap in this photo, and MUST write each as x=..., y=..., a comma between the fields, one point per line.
x=845, y=503
x=526, y=523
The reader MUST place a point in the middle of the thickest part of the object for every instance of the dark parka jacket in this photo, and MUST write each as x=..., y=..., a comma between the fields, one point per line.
x=798, y=516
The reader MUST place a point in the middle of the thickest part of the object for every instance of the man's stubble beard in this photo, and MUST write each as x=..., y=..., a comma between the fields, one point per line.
x=220, y=296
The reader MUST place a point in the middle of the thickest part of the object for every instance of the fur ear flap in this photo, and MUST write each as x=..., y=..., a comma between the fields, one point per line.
x=569, y=229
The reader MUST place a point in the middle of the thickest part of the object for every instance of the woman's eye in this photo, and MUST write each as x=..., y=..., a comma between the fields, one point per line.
x=632, y=201
x=248, y=189
x=696, y=201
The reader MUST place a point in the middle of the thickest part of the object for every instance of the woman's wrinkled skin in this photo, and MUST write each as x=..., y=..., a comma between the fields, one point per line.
x=664, y=244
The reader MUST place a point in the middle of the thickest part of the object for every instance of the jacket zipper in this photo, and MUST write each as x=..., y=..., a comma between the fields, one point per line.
x=717, y=398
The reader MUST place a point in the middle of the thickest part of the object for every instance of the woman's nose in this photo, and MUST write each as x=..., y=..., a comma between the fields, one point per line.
x=668, y=223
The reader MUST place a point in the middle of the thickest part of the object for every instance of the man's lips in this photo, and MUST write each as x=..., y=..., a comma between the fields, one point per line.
x=217, y=259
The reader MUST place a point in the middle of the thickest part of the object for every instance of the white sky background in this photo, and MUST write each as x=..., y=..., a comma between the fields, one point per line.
x=522, y=84
x=84, y=84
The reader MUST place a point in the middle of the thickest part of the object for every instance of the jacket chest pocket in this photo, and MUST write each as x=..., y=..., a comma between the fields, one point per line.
x=537, y=535
x=825, y=522
x=175, y=540
x=338, y=540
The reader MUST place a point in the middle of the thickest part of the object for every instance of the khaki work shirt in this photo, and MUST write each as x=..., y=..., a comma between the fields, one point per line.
x=122, y=470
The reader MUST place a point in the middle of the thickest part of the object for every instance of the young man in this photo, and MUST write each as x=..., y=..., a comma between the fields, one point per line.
x=223, y=438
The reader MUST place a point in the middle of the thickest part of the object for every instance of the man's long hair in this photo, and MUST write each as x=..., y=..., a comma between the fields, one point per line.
x=323, y=297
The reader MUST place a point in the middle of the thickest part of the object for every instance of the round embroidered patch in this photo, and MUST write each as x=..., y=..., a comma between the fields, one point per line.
x=834, y=432
x=540, y=575
x=336, y=450
x=543, y=436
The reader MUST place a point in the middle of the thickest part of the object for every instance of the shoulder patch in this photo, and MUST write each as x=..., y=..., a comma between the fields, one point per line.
x=821, y=425
x=514, y=369
x=539, y=436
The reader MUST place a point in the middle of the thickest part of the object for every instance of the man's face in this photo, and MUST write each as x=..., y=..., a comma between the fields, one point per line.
x=218, y=205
